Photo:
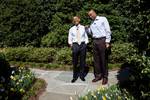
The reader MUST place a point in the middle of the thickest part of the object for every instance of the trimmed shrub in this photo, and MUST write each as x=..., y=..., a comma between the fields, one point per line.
x=63, y=56
x=42, y=55
x=30, y=54
x=17, y=54
x=121, y=51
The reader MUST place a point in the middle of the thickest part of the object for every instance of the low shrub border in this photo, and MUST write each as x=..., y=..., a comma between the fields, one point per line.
x=54, y=66
x=63, y=55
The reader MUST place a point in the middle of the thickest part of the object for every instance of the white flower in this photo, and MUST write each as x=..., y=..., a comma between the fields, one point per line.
x=13, y=72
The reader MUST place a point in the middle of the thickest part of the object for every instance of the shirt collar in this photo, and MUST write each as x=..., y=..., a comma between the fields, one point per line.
x=97, y=18
x=78, y=26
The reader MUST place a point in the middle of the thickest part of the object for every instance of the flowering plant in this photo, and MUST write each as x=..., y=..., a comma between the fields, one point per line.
x=111, y=93
x=21, y=80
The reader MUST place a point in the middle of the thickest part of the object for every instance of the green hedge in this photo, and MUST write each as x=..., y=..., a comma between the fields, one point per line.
x=27, y=54
x=120, y=51
x=63, y=55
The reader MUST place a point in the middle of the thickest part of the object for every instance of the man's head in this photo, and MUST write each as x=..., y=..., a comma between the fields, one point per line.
x=92, y=14
x=76, y=20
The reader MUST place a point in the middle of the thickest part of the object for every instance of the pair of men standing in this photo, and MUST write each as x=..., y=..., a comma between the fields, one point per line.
x=78, y=40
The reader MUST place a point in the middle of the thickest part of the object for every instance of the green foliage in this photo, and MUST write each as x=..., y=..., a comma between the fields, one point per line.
x=46, y=22
x=140, y=76
x=119, y=33
x=89, y=59
x=63, y=56
x=30, y=54
x=140, y=64
x=111, y=93
x=138, y=25
x=41, y=55
x=22, y=23
x=120, y=51
x=21, y=80
x=17, y=54
x=49, y=66
x=59, y=34
x=47, y=55
x=38, y=86
x=2, y=56
x=14, y=82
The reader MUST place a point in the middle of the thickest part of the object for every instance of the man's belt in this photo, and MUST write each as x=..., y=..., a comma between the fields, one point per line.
x=77, y=42
x=100, y=38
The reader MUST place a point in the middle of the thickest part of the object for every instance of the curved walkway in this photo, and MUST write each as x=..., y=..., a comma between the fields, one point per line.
x=59, y=86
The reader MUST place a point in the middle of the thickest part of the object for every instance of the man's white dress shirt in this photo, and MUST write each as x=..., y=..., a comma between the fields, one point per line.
x=72, y=37
x=100, y=28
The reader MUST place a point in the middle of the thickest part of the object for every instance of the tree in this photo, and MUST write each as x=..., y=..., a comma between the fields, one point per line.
x=138, y=25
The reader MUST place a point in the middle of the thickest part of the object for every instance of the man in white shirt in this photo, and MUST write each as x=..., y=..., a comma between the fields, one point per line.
x=101, y=35
x=78, y=39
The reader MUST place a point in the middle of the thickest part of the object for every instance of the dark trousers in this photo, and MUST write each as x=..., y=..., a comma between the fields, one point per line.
x=100, y=58
x=78, y=54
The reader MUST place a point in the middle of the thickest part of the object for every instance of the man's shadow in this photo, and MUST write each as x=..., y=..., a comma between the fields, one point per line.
x=123, y=74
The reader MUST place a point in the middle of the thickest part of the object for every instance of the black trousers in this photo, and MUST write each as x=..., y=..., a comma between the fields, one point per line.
x=78, y=54
x=100, y=58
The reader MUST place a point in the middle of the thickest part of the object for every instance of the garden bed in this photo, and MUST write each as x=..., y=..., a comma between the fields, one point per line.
x=36, y=90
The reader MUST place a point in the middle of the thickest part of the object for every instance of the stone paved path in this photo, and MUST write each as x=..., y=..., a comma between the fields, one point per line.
x=59, y=86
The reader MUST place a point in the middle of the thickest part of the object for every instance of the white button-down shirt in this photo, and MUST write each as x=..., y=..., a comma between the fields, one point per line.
x=72, y=37
x=100, y=28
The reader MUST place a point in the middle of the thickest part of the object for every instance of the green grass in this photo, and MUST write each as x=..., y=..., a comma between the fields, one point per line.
x=114, y=66
x=54, y=66
x=46, y=66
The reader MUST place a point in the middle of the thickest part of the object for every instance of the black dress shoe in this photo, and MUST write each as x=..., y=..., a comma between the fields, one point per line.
x=96, y=79
x=82, y=78
x=73, y=80
x=104, y=81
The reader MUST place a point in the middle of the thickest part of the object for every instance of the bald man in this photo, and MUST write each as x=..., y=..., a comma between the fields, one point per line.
x=78, y=39
x=101, y=35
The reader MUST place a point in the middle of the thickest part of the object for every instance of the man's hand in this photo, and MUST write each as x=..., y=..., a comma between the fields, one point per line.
x=70, y=45
x=107, y=45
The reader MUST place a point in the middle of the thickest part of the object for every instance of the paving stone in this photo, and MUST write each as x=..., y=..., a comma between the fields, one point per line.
x=60, y=87
x=57, y=96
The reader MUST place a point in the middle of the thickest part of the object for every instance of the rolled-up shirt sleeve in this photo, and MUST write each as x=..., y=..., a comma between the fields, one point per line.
x=70, y=37
x=86, y=38
x=88, y=30
x=107, y=30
